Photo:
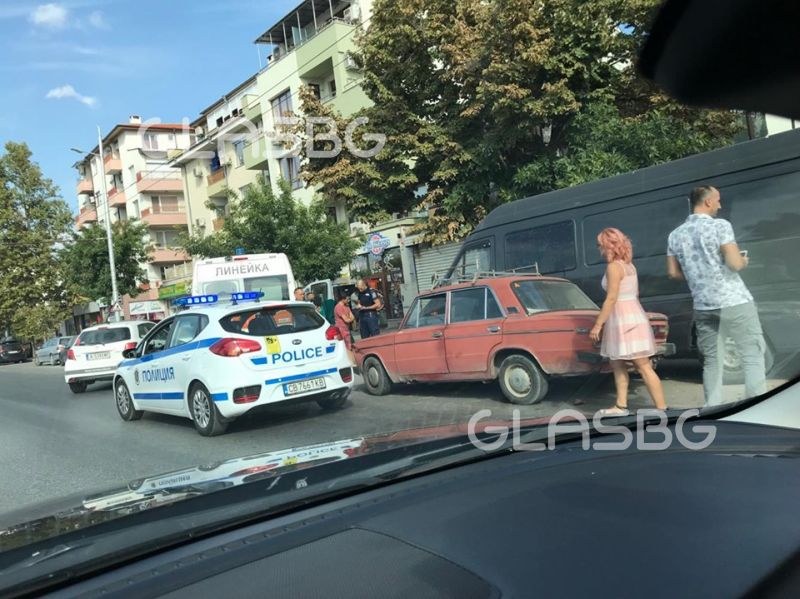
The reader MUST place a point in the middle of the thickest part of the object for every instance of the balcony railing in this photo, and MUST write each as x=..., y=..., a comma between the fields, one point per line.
x=85, y=186
x=177, y=272
x=86, y=215
x=217, y=184
x=164, y=218
x=155, y=181
x=116, y=197
x=112, y=163
x=168, y=255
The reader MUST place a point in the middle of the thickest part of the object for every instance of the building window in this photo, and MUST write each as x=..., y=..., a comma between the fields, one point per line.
x=167, y=238
x=332, y=88
x=238, y=148
x=282, y=106
x=166, y=204
x=150, y=141
x=243, y=190
x=315, y=89
x=290, y=170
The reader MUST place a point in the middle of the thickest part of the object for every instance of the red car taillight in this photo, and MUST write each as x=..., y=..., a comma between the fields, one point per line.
x=333, y=334
x=661, y=331
x=231, y=348
x=131, y=345
x=70, y=354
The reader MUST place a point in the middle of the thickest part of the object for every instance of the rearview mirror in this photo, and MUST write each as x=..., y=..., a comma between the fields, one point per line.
x=129, y=353
x=734, y=54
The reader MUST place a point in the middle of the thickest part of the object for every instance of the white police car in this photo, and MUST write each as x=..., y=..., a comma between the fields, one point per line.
x=215, y=361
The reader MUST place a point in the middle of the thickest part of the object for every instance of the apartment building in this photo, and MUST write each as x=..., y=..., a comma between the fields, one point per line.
x=141, y=185
x=237, y=138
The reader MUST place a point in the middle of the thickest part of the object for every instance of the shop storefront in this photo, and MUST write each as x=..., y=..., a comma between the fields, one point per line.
x=168, y=293
x=148, y=310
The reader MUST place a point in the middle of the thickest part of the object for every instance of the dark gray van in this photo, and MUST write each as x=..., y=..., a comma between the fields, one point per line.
x=760, y=185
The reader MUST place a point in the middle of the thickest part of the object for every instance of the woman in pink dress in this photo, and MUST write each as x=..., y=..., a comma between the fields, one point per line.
x=626, y=332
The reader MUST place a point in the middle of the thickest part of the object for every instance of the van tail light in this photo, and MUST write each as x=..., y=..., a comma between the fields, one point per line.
x=231, y=348
x=333, y=334
x=131, y=345
x=70, y=354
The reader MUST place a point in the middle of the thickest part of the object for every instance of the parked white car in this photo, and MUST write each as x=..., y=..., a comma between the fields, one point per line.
x=97, y=352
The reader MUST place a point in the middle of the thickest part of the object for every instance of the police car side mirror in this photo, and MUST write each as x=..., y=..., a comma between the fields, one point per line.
x=129, y=353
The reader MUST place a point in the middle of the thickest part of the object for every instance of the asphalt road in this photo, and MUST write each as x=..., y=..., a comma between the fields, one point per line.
x=54, y=443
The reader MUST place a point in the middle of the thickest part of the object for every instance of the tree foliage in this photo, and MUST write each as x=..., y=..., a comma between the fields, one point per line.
x=88, y=265
x=467, y=91
x=264, y=222
x=33, y=222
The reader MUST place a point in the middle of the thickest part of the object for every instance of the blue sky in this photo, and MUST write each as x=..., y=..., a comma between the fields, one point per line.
x=69, y=65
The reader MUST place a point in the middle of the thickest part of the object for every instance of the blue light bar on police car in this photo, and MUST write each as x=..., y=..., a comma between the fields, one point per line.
x=240, y=296
x=196, y=300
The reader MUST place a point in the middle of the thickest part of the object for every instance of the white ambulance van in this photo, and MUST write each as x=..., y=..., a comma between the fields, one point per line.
x=268, y=273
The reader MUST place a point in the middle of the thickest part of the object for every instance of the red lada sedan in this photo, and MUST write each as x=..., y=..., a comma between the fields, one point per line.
x=520, y=329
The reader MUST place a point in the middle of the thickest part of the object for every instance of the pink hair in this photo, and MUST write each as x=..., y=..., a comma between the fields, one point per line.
x=615, y=245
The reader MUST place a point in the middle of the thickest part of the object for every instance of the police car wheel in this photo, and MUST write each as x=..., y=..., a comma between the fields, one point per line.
x=375, y=378
x=124, y=402
x=78, y=387
x=207, y=419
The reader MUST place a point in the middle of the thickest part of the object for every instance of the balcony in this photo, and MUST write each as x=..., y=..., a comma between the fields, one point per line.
x=87, y=215
x=164, y=219
x=252, y=107
x=217, y=184
x=112, y=164
x=85, y=186
x=177, y=272
x=256, y=157
x=116, y=198
x=168, y=256
x=330, y=41
x=169, y=182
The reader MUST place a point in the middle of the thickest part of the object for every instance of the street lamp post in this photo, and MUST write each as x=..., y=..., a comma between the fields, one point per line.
x=115, y=307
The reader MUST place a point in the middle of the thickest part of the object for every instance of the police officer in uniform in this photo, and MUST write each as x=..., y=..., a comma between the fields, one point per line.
x=368, y=303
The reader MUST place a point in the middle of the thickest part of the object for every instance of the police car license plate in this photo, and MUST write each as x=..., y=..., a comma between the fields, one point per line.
x=100, y=355
x=303, y=386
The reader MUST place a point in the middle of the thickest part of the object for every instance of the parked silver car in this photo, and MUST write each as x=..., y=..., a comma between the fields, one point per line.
x=52, y=351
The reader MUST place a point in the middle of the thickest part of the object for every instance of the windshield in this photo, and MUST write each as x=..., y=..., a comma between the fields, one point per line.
x=103, y=336
x=276, y=320
x=540, y=296
x=417, y=218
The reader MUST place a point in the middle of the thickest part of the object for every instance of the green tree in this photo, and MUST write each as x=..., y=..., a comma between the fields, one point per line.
x=87, y=261
x=33, y=222
x=486, y=101
x=262, y=222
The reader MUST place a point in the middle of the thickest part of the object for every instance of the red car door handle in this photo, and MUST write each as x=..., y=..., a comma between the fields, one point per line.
x=437, y=334
x=493, y=329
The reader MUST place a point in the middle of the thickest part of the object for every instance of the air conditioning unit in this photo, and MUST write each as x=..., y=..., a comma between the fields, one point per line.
x=199, y=223
x=198, y=171
x=352, y=13
x=350, y=62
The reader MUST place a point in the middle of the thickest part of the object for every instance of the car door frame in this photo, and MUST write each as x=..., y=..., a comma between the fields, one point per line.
x=179, y=361
x=427, y=362
x=485, y=335
x=146, y=392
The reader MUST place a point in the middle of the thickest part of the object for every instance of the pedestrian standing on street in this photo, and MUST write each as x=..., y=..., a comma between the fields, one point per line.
x=299, y=294
x=623, y=324
x=344, y=318
x=368, y=304
x=703, y=252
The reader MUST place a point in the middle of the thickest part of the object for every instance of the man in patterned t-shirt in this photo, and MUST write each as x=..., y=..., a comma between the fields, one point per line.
x=703, y=252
